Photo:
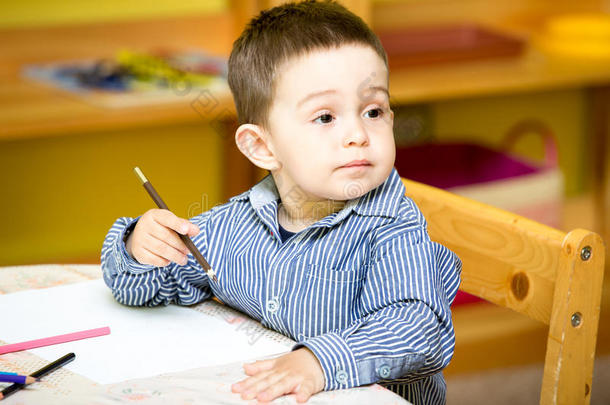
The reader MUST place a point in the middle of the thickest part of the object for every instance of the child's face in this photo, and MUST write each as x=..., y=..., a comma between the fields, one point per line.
x=331, y=108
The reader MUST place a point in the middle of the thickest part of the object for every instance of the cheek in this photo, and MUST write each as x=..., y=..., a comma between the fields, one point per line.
x=288, y=148
x=385, y=143
x=391, y=148
x=310, y=147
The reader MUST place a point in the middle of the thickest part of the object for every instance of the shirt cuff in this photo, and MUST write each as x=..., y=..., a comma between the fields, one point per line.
x=376, y=369
x=341, y=370
x=126, y=263
x=336, y=359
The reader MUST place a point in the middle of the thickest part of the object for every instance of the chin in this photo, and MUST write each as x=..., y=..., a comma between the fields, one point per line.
x=357, y=188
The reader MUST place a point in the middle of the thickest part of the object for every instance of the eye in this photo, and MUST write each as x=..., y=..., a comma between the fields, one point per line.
x=325, y=118
x=375, y=113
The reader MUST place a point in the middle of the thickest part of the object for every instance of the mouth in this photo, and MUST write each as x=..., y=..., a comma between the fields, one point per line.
x=358, y=163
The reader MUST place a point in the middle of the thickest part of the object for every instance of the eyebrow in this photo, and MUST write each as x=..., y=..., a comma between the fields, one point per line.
x=332, y=91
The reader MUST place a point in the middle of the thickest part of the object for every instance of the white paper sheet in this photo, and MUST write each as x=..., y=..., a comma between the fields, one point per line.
x=143, y=341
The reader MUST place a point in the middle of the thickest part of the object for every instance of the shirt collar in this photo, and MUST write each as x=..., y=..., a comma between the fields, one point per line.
x=383, y=200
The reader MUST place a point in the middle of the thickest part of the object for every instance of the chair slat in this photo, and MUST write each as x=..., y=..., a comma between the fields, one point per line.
x=541, y=272
x=507, y=259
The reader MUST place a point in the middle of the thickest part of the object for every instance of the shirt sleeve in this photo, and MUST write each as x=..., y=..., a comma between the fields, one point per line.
x=133, y=283
x=407, y=332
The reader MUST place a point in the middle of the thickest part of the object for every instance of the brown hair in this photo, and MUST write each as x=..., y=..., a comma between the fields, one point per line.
x=281, y=33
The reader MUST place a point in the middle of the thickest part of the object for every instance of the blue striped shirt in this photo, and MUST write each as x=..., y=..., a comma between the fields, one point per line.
x=363, y=288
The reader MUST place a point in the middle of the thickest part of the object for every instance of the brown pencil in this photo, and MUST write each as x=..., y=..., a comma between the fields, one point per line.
x=187, y=241
x=49, y=368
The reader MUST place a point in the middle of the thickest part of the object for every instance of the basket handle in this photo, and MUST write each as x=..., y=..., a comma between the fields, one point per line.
x=521, y=128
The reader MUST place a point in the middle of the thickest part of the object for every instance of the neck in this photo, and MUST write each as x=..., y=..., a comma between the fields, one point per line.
x=296, y=216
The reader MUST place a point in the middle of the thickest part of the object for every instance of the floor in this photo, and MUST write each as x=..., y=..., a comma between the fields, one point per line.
x=518, y=386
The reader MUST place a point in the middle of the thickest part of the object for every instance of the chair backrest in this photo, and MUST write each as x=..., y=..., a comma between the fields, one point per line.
x=546, y=274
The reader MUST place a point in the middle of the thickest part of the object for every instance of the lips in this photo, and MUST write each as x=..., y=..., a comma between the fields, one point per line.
x=356, y=163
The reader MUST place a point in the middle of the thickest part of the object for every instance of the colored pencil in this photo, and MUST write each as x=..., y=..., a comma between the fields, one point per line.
x=53, y=340
x=187, y=241
x=49, y=368
x=16, y=378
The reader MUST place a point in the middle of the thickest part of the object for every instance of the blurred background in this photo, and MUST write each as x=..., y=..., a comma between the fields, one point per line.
x=505, y=101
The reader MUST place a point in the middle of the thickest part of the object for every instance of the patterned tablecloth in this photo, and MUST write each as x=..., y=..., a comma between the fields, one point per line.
x=210, y=385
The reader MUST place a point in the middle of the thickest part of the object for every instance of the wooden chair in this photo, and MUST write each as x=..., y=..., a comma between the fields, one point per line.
x=541, y=272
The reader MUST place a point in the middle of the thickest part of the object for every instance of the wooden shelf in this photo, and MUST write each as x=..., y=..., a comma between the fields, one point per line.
x=29, y=109
x=533, y=71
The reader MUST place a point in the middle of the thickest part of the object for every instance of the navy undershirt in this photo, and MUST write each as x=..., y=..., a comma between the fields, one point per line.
x=284, y=234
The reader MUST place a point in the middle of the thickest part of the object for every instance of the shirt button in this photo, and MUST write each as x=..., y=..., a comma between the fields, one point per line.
x=384, y=371
x=341, y=377
x=273, y=305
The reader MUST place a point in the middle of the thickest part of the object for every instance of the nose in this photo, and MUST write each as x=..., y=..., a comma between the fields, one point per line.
x=356, y=135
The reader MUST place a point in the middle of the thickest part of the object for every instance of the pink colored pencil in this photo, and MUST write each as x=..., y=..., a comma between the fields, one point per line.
x=53, y=340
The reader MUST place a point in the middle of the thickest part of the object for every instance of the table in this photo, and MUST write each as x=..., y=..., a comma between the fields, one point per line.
x=198, y=386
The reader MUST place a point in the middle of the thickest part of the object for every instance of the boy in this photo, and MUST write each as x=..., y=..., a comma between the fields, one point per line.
x=326, y=248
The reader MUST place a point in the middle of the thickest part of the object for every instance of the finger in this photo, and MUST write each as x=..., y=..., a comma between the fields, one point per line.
x=170, y=237
x=245, y=384
x=304, y=392
x=160, y=248
x=170, y=220
x=193, y=230
x=269, y=385
x=279, y=387
x=145, y=256
x=248, y=382
x=258, y=366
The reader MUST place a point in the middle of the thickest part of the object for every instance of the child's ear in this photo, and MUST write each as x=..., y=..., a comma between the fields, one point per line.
x=252, y=140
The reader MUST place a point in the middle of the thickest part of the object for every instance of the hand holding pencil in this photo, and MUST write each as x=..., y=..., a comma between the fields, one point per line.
x=160, y=237
x=155, y=238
